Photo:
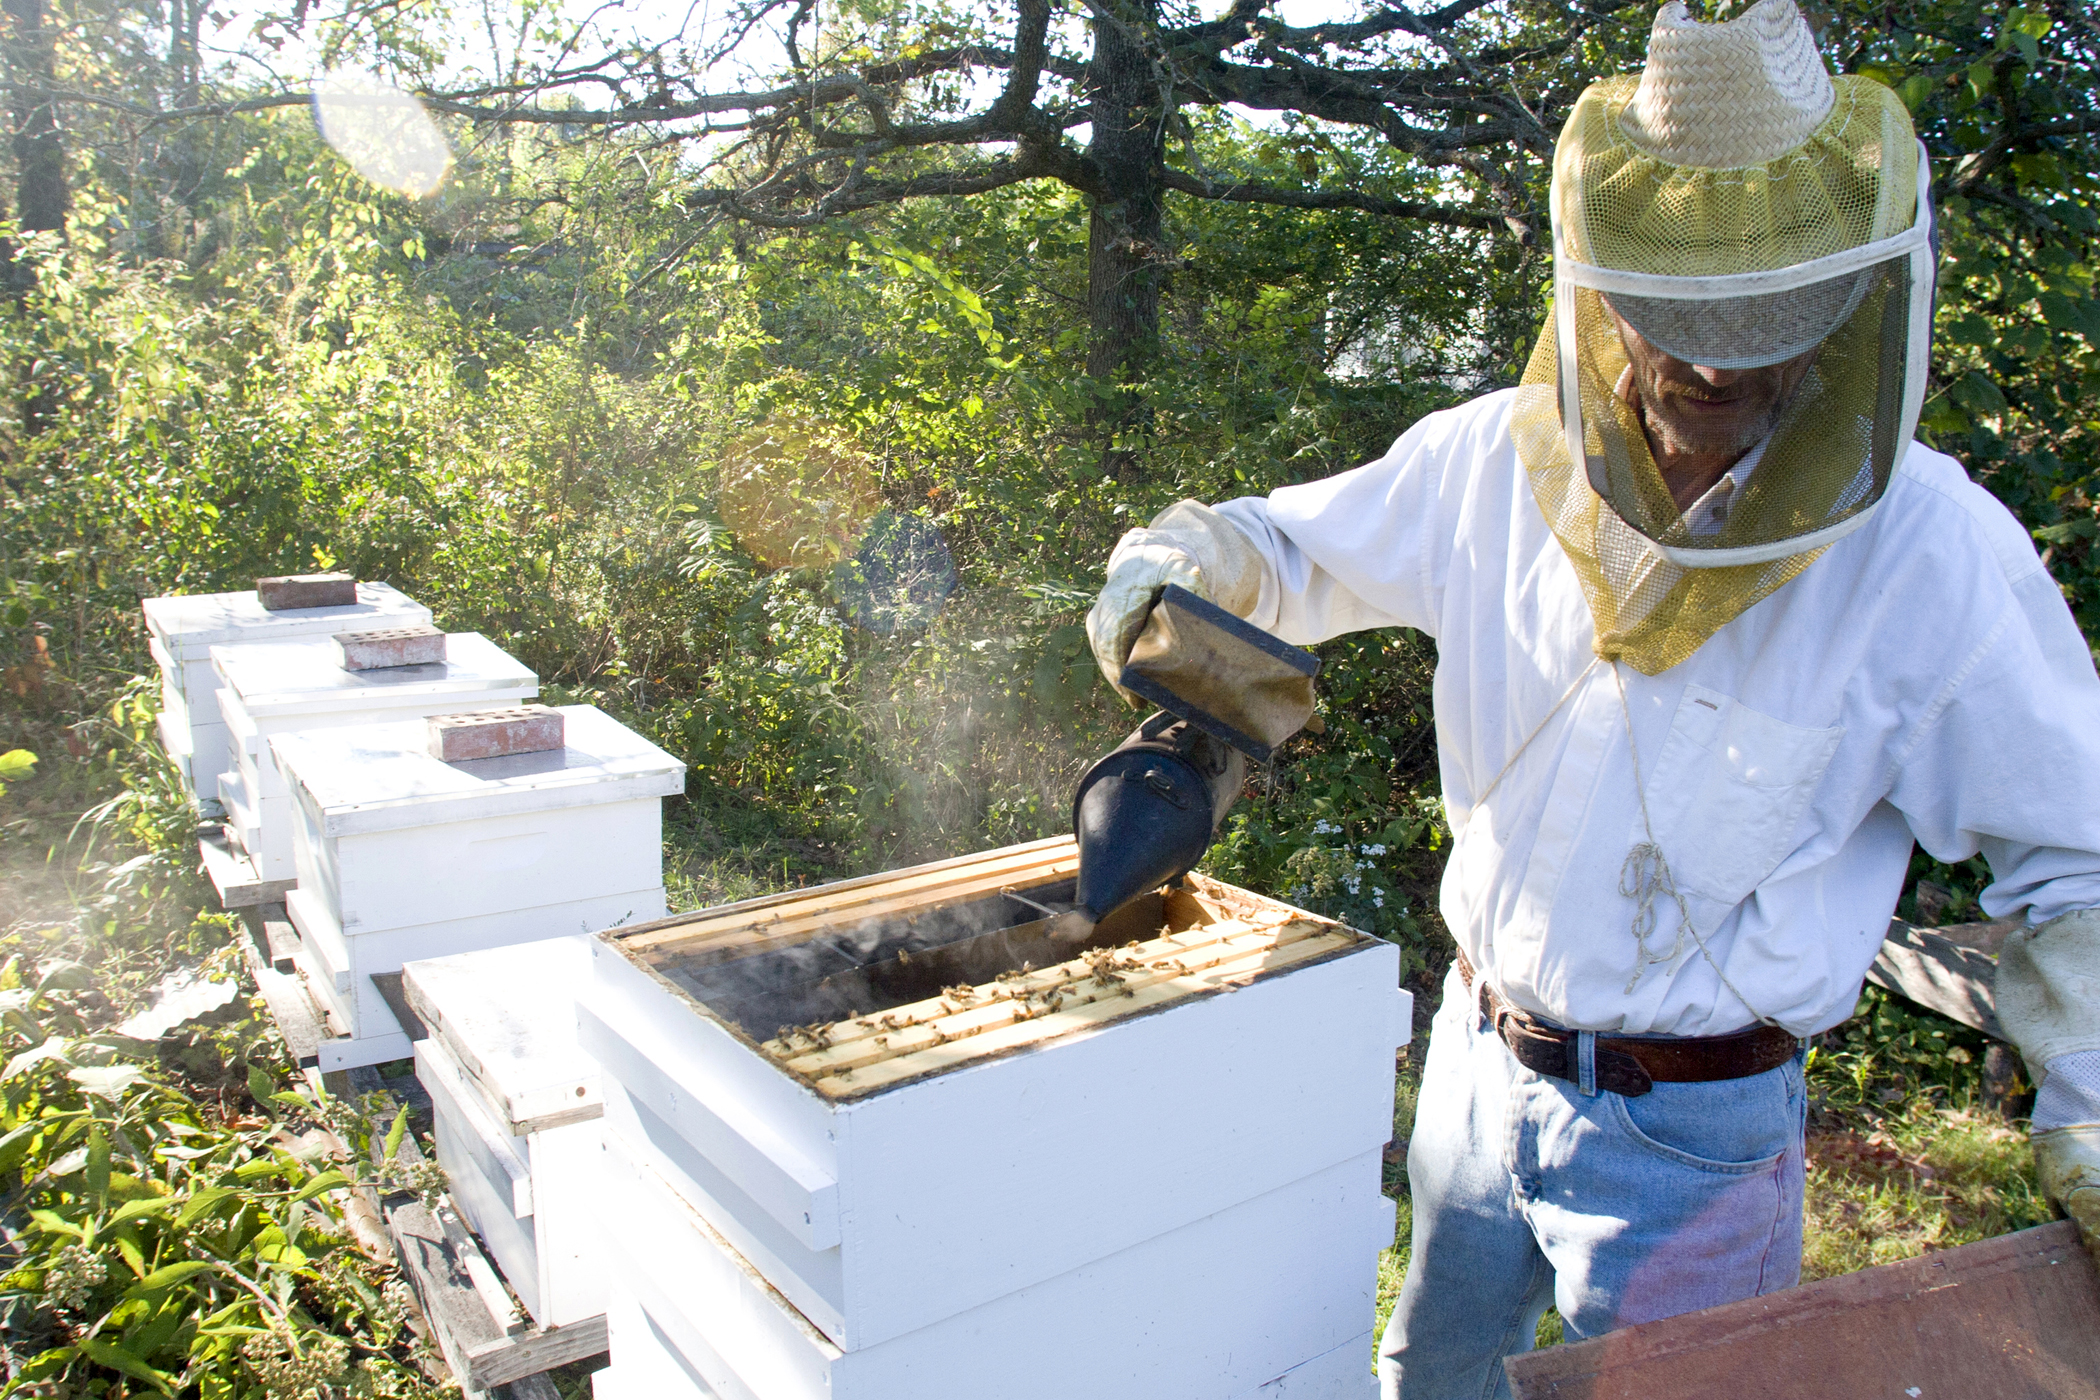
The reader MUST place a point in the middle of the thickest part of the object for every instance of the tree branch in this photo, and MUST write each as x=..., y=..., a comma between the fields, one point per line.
x=1254, y=192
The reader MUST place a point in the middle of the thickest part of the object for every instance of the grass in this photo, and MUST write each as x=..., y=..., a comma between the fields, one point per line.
x=1932, y=1178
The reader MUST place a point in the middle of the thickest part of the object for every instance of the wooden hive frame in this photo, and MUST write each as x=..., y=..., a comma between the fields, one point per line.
x=1211, y=937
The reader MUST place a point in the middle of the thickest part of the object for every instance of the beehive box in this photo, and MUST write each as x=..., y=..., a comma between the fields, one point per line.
x=181, y=630
x=651, y=1368
x=291, y=687
x=899, y=1105
x=1270, y=1293
x=516, y=1105
x=402, y=856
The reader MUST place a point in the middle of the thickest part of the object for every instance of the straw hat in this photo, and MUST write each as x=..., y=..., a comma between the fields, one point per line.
x=1721, y=96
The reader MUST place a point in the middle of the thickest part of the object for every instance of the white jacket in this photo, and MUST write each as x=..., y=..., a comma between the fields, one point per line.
x=1922, y=679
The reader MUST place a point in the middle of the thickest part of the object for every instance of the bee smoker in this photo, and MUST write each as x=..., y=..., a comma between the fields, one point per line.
x=1228, y=693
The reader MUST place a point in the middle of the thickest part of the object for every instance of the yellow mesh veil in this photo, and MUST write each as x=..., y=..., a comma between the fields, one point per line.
x=1823, y=249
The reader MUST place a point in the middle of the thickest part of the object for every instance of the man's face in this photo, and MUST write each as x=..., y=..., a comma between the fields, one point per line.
x=1695, y=411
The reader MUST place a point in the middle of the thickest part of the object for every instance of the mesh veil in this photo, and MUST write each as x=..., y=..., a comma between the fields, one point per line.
x=1823, y=250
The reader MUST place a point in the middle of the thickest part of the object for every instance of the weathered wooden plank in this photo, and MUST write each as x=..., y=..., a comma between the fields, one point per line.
x=534, y=1387
x=458, y=1317
x=1985, y=938
x=280, y=938
x=1926, y=967
x=233, y=874
x=841, y=902
x=298, y=1019
x=2011, y=1318
x=390, y=991
x=529, y=1353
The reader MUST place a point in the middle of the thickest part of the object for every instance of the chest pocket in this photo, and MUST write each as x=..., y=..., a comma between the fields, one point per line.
x=1728, y=790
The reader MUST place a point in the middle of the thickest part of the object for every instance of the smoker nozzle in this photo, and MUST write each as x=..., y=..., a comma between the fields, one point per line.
x=1228, y=692
x=1145, y=813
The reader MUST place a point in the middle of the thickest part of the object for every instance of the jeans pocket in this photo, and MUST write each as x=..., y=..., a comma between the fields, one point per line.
x=1735, y=1127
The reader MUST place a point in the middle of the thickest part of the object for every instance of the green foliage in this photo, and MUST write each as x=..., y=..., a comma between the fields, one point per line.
x=2003, y=98
x=1890, y=1051
x=159, y=1237
x=520, y=402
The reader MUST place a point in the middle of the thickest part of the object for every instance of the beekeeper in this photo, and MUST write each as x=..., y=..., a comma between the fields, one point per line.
x=1717, y=641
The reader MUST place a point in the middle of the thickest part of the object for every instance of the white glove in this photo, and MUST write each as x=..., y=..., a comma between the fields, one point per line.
x=2067, y=1164
x=2048, y=1000
x=1187, y=543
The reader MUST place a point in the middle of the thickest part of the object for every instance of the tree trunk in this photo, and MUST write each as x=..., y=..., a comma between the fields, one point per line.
x=41, y=196
x=40, y=159
x=1126, y=227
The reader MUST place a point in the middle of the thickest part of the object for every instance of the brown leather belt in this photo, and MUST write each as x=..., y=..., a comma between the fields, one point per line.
x=1631, y=1065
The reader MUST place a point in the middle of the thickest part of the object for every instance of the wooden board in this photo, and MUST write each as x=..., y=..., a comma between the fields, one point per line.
x=508, y=1017
x=2012, y=1318
x=234, y=876
x=1952, y=971
x=780, y=920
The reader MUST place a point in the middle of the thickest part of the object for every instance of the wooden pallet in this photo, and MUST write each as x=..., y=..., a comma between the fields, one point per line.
x=466, y=1308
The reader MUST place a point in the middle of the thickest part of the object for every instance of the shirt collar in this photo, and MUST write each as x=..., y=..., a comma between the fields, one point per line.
x=1705, y=516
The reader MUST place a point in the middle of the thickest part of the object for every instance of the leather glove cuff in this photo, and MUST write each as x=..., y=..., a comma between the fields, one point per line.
x=1189, y=544
x=2048, y=989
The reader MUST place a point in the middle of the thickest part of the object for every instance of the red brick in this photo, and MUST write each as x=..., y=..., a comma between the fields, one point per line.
x=288, y=591
x=390, y=646
x=495, y=733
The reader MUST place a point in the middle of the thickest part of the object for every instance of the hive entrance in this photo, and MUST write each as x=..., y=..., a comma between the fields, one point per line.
x=880, y=964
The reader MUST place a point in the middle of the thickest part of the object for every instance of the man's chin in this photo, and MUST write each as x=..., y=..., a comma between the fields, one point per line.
x=1710, y=439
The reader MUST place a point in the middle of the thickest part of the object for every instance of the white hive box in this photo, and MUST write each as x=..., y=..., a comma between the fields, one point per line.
x=401, y=856
x=516, y=1105
x=1271, y=1296
x=651, y=1368
x=909, y=1169
x=293, y=687
x=181, y=631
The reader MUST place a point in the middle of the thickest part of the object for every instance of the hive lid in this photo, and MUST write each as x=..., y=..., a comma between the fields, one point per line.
x=306, y=675
x=381, y=777
x=190, y=624
x=508, y=1016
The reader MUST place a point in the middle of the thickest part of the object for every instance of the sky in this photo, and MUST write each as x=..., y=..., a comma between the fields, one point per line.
x=645, y=22
x=387, y=138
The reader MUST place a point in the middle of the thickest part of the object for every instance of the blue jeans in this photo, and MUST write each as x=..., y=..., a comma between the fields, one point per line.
x=1618, y=1210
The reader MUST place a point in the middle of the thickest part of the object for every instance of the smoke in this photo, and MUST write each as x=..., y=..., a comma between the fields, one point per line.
x=879, y=964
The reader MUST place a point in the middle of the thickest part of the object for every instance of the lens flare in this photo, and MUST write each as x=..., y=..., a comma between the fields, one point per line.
x=383, y=133
x=899, y=578
x=796, y=496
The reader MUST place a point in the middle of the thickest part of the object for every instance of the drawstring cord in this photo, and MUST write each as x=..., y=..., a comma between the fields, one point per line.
x=1558, y=705
x=1646, y=874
